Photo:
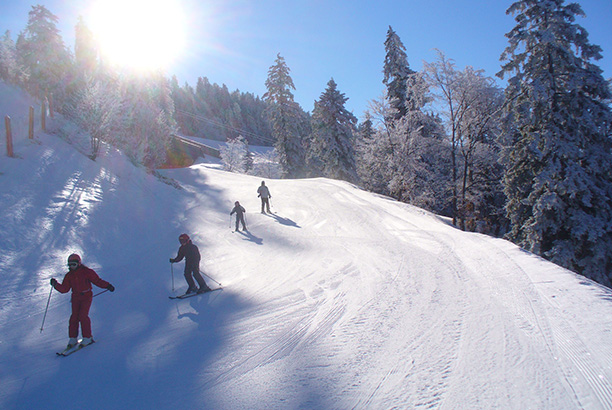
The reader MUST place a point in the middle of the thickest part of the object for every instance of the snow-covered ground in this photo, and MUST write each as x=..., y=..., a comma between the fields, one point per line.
x=340, y=299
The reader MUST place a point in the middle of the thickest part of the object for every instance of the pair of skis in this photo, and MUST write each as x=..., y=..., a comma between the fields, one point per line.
x=69, y=350
x=189, y=295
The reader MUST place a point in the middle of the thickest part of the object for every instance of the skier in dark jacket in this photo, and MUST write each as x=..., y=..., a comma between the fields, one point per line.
x=191, y=253
x=79, y=278
x=264, y=193
x=239, y=211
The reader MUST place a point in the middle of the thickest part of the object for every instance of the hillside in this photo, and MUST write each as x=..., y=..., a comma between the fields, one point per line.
x=340, y=299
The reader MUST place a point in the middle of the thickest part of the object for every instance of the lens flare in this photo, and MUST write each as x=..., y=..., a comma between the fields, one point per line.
x=144, y=35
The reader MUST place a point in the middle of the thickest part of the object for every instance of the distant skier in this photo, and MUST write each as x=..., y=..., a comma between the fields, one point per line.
x=264, y=193
x=191, y=253
x=79, y=278
x=239, y=211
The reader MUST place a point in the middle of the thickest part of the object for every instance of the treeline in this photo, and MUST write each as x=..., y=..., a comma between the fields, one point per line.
x=212, y=111
x=531, y=162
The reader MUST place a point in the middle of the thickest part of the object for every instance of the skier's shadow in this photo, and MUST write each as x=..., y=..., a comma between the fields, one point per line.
x=198, y=303
x=250, y=237
x=284, y=221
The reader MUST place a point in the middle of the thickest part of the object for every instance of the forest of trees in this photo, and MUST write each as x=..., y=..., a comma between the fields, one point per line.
x=531, y=162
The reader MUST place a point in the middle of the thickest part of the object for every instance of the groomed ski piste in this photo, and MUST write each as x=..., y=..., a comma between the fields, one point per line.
x=341, y=299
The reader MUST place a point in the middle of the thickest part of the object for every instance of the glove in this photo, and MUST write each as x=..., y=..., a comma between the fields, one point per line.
x=171, y=260
x=53, y=282
x=110, y=287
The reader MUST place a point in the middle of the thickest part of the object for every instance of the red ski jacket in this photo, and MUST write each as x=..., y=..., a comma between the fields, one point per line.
x=80, y=280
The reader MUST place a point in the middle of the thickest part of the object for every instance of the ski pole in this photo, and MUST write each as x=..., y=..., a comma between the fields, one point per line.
x=218, y=283
x=172, y=272
x=99, y=293
x=46, y=309
x=230, y=225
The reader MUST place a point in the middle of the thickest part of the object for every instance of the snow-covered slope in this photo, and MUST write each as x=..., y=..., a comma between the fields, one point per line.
x=341, y=299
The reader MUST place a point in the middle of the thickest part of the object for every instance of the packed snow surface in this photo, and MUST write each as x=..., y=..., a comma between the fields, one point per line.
x=339, y=299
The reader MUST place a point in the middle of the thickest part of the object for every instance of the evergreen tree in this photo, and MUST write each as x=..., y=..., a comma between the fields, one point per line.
x=284, y=115
x=44, y=55
x=365, y=130
x=10, y=70
x=184, y=103
x=558, y=157
x=85, y=49
x=333, y=142
x=395, y=74
x=249, y=158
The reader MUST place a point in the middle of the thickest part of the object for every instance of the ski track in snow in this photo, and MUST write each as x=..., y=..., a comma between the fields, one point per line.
x=340, y=299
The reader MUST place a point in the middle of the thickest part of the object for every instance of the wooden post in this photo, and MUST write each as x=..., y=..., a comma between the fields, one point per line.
x=9, y=136
x=43, y=116
x=31, y=124
x=50, y=101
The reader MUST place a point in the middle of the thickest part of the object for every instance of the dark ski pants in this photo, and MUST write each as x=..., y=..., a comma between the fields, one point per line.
x=80, y=315
x=265, y=202
x=240, y=219
x=194, y=272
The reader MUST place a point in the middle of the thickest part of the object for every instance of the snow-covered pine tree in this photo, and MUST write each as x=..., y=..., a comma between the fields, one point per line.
x=558, y=157
x=10, y=70
x=85, y=49
x=184, y=102
x=249, y=158
x=284, y=115
x=395, y=73
x=44, y=55
x=332, y=147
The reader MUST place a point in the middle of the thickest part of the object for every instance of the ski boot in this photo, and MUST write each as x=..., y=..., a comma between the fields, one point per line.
x=87, y=341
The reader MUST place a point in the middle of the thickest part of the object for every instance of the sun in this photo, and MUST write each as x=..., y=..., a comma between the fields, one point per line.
x=139, y=34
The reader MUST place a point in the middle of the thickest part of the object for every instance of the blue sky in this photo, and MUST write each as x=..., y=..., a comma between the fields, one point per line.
x=235, y=42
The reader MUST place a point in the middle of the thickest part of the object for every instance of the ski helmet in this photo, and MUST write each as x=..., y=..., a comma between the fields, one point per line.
x=74, y=258
x=183, y=238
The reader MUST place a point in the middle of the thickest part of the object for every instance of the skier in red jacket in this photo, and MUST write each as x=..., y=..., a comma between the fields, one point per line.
x=79, y=279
